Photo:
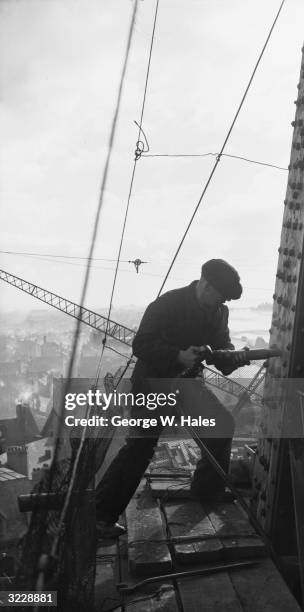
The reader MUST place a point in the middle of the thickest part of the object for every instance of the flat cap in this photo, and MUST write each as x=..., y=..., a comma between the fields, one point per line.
x=223, y=277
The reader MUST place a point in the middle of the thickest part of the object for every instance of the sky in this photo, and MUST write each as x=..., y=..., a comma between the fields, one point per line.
x=60, y=67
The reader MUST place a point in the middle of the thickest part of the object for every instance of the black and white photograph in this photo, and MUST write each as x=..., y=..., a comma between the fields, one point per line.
x=152, y=305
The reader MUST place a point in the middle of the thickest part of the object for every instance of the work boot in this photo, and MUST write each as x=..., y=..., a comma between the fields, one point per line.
x=203, y=493
x=109, y=531
x=207, y=485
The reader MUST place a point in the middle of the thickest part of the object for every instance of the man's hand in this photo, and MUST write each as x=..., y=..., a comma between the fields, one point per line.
x=227, y=361
x=190, y=357
x=240, y=360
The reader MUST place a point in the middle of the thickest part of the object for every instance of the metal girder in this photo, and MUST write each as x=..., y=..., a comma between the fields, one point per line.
x=256, y=382
x=231, y=386
x=89, y=317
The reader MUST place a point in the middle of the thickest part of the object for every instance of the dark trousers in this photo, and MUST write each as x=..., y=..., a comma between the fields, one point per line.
x=122, y=478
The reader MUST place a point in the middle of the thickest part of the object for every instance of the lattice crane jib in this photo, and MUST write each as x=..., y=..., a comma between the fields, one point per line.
x=286, y=328
x=88, y=317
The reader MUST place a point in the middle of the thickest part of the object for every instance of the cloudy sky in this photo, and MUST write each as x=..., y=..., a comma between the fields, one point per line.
x=60, y=67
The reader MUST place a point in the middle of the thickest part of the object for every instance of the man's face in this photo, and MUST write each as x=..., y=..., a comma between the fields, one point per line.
x=212, y=297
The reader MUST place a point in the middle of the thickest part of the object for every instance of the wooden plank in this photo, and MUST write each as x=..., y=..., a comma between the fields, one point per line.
x=161, y=600
x=214, y=524
x=228, y=520
x=156, y=597
x=209, y=594
x=256, y=589
x=144, y=523
x=168, y=472
x=106, y=549
x=262, y=589
x=186, y=520
x=170, y=488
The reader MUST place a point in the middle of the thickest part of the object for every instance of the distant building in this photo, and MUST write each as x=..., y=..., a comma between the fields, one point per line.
x=7, y=396
x=45, y=387
x=5, y=348
x=88, y=360
x=87, y=366
x=40, y=365
x=50, y=430
x=49, y=349
x=48, y=358
x=21, y=429
x=27, y=349
x=10, y=368
x=13, y=523
x=28, y=458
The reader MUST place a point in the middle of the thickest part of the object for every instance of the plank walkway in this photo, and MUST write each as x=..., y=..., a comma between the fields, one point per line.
x=168, y=532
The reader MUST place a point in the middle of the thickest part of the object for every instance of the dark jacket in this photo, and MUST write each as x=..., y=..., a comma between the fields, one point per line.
x=171, y=323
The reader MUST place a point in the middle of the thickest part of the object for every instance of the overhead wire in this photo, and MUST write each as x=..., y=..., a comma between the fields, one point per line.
x=51, y=256
x=151, y=274
x=55, y=255
x=246, y=159
x=83, y=294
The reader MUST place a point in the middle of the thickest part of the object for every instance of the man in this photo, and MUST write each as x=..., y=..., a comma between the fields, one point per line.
x=168, y=341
